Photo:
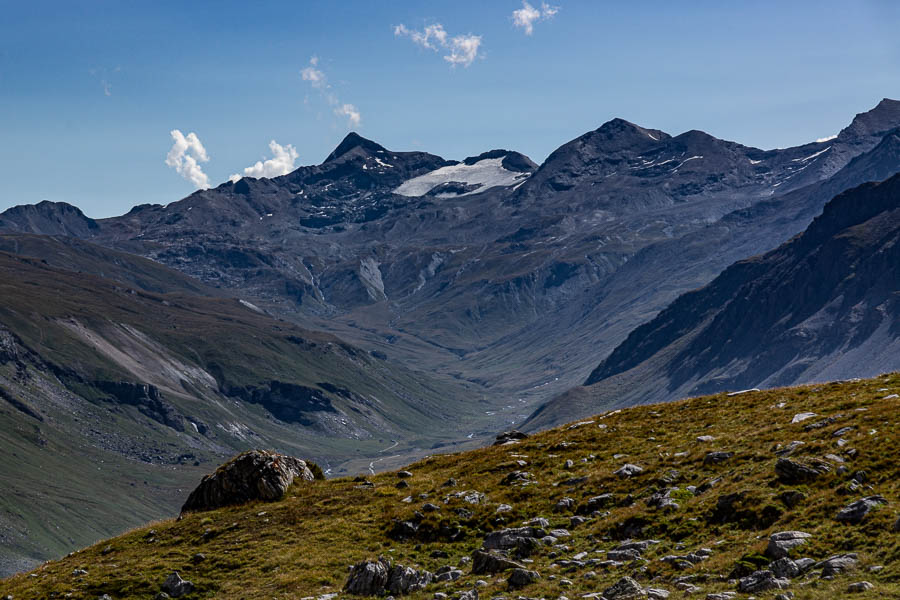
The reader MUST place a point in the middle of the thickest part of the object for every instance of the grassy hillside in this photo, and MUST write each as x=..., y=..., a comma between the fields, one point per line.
x=728, y=504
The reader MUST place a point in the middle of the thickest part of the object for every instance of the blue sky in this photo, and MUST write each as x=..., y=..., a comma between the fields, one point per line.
x=90, y=91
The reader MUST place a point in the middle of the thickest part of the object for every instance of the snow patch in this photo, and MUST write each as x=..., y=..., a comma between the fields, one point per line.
x=252, y=307
x=486, y=173
x=826, y=139
x=812, y=156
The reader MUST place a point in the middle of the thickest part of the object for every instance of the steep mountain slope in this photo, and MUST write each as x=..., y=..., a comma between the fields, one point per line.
x=822, y=306
x=105, y=386
x=709, y=482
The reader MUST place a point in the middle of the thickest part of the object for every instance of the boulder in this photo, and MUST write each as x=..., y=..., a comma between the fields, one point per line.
x=176, y=587
x=624, y=589
x=855, y=512
x=368, y=578
x=761, y=581
x=524, y=540
x=253, y=475
x=628, y=470
x=714, y=458
x=792, y=472
x=781, y=543
x=379, y=577
x=406, y=580
x=860, y=586
x=488, y=563
x=520, y=578
x=837, y=564
x=784, y=568
x=506, y=437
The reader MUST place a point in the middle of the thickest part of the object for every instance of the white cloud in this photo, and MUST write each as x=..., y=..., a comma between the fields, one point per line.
x=351, y=112
x=281, y=163
x=461, y=49
x=314, y=76
x=317, y=79
x=184, y=156
x=528, y=15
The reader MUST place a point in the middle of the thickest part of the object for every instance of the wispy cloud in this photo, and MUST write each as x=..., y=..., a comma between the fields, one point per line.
x=319, y=81
x=460, y=49
x=351, y=112
x=281, y=163
x=527, y=16
x=185, y=155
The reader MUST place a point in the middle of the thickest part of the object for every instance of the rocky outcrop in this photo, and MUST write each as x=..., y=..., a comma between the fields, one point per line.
x=379, y=577
x=148, y=400
x=254, y=475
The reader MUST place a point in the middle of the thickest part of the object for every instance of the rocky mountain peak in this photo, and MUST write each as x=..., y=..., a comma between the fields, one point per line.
x=354, y=145
x=882, y=118
x=48, y=218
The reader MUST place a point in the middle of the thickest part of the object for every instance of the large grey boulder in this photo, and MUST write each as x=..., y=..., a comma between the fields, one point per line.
x=855, y=512
x=176, y=587
x=761, y=581
x=253, y=475
x=781, y=543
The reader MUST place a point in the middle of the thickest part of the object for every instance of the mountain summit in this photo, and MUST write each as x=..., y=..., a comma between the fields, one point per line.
x=356, y=145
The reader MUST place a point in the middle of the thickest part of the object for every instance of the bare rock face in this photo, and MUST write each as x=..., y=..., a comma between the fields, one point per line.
x=253, y=475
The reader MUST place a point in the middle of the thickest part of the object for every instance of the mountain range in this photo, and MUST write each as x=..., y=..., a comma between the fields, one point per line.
x=384, y=304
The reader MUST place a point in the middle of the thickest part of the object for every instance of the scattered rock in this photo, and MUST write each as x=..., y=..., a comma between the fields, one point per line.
x=800, y=417
x=511, y=436
x=564, y=505
x=470, y=595
x=402, y=484
x=524, y=540
x=517, y=478
x=714, y=458
x=896, y=527
x=253, y=475
x=624, y=589
x=860, y=586
x=792, y=498
x=657, y=594
x=855, y=512
x=520, y=578
x=488, y=563
x=761, y=581
x=706, y=438
x=628, y=470
x=792, y=472
x=785, y=568
x=837, y=564
x=404, y=474
x=781, y=543
x=503, y=508
x=176, y=587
